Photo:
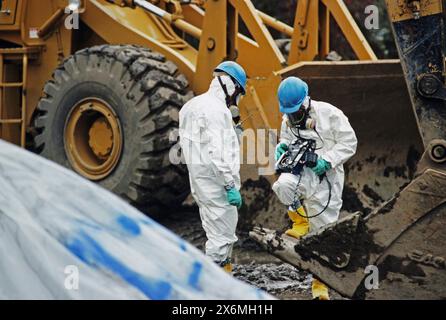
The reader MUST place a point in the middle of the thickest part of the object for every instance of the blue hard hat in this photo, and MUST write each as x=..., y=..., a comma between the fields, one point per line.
x=235, y=71
x=292, y=93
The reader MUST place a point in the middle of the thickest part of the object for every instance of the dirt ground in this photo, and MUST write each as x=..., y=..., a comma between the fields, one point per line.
x=252, y=264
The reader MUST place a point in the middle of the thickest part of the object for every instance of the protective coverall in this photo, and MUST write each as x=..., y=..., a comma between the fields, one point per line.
x=336, y=144
x=212, y=153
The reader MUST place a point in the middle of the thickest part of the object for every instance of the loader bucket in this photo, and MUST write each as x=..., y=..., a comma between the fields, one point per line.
x=374, y=96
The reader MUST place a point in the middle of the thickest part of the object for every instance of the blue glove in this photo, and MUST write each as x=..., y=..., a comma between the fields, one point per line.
x=321, y=167
x=281, y=148
x=234, y=197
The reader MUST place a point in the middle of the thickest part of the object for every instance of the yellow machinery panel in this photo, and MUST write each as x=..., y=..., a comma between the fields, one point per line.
x=8, y=10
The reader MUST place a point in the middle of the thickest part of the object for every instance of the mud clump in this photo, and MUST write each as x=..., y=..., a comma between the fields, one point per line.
x=335, y=243
x=351, y=202
x=274, y=278
x=280, y=280
x=372, y=194
x=398, y=171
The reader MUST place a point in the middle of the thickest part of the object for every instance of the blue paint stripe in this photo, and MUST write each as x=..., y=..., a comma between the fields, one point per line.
x=91, y=252
x=128, y=225
x=194, y=277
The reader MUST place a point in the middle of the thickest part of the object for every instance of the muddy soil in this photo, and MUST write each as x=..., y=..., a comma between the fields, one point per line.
x=252, y=264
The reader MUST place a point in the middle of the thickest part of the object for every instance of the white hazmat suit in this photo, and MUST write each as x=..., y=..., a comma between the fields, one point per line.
x=212, y=153
x=337, y=146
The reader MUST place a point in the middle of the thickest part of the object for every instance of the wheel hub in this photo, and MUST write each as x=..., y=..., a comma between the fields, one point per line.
x=101, y=138
x=93, y=139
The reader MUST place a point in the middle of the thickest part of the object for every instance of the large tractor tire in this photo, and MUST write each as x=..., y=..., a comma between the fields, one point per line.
x=110, y=113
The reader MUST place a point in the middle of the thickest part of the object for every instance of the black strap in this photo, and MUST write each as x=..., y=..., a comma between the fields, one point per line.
x=225, y=90
x=303, y=123
x=320, y=138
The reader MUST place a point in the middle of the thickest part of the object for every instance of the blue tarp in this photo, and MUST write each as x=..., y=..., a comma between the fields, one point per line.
x=64, y=237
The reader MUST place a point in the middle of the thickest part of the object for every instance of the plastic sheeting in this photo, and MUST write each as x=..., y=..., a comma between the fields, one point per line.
x=63, y=237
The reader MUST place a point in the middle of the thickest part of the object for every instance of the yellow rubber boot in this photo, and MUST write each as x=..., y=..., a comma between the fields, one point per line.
x=228, y=267
x=301, y=226
x=319, y=290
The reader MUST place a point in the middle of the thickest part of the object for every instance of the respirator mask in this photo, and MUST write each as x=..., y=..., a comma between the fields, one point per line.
x=301, y=118
x=233, y=100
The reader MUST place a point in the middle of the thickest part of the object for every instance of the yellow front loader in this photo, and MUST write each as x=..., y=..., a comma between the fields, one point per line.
x=96, y=86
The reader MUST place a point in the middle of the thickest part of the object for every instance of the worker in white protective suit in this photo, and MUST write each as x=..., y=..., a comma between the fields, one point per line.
x=313, y=195
x=212, y=153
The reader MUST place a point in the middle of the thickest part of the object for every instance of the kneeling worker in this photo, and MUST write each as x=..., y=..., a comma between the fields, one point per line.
x=320, y=187
x=212, y=153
